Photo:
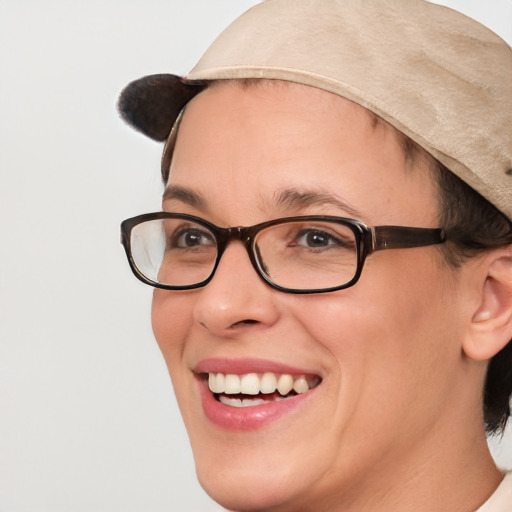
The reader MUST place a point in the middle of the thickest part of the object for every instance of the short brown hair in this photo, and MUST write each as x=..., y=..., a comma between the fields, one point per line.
x=473, y=225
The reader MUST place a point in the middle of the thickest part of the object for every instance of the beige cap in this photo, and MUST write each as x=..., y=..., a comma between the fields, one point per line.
x=441, y=78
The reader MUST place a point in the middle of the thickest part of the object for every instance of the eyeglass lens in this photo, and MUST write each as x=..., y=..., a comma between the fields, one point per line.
x=302, y=255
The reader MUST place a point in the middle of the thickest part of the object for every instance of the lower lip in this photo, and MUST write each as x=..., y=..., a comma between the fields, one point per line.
x=247, y=418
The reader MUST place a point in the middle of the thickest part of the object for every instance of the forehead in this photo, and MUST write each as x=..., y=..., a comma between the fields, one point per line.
x=314, y=98
x=260, y=136
x=282, y=96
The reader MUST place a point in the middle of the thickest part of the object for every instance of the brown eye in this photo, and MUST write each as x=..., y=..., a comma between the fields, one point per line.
x=316, y=238
x=191, y=237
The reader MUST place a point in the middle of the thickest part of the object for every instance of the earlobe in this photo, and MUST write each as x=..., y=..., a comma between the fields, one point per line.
x=482, y=315
x=491, y=323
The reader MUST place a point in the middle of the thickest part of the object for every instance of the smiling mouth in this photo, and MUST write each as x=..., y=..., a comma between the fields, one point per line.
x=252, y=389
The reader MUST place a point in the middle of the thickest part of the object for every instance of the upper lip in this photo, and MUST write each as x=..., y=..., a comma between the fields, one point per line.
x=246, y=365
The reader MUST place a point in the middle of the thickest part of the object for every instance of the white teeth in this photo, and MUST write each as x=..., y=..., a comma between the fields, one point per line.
x=250, y=384
x=237, y=402
x=254, y=384
x=285, y=384
x=232, y=384
x=220, y=382
x=248, y=402
x=300, y=385
x=212, y=382
x=268, y=383
x=233, y=402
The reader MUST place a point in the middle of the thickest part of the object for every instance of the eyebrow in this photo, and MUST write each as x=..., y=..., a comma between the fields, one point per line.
x=290, y=198
x=185, y=195
x=296, y=199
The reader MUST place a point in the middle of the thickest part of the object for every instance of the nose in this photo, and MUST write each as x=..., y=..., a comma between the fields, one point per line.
x=236, y=299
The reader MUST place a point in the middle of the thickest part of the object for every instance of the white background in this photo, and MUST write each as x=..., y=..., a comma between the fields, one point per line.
x=88, y=421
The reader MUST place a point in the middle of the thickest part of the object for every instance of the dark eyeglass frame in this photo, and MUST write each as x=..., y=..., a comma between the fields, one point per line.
x=368, y=240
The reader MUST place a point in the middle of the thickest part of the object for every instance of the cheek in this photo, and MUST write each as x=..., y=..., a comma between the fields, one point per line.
x=367, y=322
x=392, y=336
x=170, y=318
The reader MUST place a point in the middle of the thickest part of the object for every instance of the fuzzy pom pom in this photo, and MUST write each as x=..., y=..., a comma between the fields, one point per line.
x=152, y=103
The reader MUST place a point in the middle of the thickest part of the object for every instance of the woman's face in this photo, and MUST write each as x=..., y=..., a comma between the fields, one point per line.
x=385, y=352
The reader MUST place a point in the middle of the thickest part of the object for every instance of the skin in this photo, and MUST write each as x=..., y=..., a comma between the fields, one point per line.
x=398, y=412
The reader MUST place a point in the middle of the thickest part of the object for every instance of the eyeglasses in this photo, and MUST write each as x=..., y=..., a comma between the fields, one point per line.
x=310, y=254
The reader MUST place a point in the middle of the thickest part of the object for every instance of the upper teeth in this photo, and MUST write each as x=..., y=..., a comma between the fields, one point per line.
x=253, y=383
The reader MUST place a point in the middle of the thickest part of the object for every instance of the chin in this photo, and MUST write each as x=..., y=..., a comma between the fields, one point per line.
x=244, y=489
x=260, y=471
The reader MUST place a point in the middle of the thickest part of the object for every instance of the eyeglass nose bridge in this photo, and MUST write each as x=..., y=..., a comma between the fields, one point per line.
x=237, y=233
x=226, y=235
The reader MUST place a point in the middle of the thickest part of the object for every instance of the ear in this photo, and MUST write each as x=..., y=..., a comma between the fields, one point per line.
x=491, y=323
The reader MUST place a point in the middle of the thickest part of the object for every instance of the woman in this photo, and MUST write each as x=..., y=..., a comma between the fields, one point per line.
x=336, y=328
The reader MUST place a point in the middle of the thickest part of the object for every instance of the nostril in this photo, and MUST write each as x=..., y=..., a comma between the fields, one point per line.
x=246, y=322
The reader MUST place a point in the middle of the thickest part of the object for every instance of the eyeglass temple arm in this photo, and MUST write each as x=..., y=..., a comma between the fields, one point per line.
x=399, y=237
